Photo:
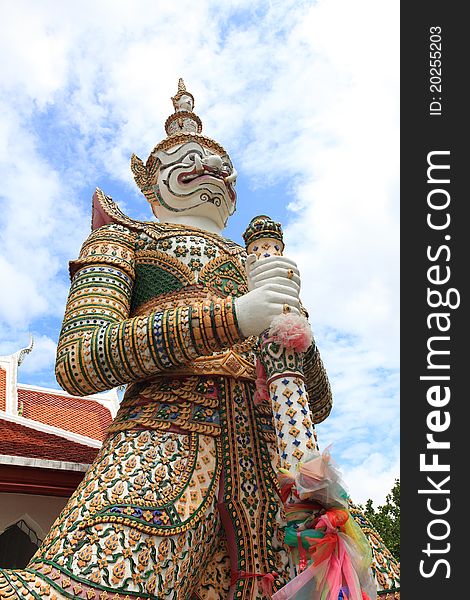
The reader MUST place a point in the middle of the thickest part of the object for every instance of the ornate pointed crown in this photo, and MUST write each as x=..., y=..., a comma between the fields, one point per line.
x=182, y=126
x=184, y=119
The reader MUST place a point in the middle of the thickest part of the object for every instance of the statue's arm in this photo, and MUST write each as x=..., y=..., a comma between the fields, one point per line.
x=318, y=384
x=101, y=347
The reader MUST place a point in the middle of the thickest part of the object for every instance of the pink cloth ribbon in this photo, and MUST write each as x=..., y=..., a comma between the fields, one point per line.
x=267, y=580
x=291, y=331
x=261, y=392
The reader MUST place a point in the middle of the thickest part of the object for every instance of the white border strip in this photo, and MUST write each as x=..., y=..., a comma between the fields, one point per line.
x=41, y=463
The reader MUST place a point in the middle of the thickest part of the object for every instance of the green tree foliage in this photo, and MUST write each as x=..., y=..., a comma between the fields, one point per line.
x=386, y=519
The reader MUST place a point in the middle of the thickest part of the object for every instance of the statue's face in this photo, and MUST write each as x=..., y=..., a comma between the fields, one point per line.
x=196, y=181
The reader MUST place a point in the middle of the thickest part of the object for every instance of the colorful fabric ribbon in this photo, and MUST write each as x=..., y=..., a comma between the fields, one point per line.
x=330, y=549
x=338, y=563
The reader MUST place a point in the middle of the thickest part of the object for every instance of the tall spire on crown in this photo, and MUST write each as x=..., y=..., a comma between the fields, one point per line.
x=184, y=119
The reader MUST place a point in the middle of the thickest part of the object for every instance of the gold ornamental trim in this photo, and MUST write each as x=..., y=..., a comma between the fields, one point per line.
x=227, y=364
x=177, y=299
x=6, y=589
x=208, y=274
x=160, y=231
x=181, y=137
x=184, y=114
x=167, y=263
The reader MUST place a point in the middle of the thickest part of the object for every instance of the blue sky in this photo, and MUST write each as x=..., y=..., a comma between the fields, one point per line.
x=303, y=95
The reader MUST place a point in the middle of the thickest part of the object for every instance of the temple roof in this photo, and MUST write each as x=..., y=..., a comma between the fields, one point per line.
x=78, y=415
x=43, y=424
x=21, y=441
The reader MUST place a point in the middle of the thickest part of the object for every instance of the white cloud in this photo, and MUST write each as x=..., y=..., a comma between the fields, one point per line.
x=373, y=478
x=42, y=227
x=34, y=55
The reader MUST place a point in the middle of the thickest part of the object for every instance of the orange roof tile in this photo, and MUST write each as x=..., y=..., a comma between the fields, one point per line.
x=78, y=415
x=17, y=440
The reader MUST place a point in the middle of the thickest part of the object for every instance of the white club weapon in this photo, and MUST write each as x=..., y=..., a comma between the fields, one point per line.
x=283, y=361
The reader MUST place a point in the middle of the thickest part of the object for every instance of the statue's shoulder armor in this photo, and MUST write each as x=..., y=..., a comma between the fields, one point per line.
x=105, y=211
x=112, y=239
x=114, y=235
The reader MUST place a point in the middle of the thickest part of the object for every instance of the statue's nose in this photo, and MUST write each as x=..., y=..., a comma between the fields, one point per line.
x=213, y=161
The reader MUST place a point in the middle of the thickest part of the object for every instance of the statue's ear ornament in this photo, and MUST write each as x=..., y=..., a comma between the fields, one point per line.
x=145, y=175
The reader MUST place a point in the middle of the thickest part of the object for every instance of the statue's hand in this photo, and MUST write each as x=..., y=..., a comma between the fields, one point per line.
x=274, y=285
x=276, y=269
